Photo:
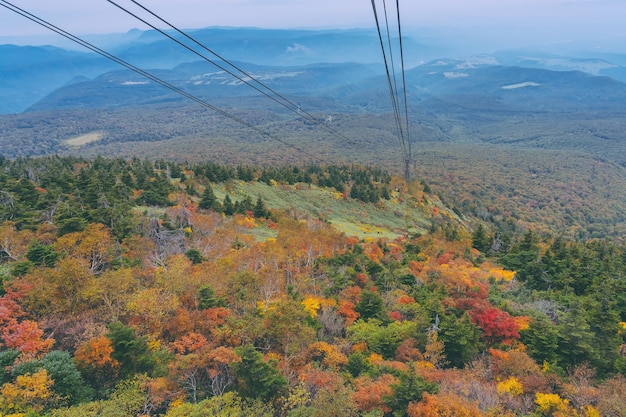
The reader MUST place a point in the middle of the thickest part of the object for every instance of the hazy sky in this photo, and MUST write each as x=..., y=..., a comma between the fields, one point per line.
x=559, y=19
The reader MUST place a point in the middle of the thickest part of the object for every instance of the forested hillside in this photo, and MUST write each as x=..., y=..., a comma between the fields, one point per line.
x=160, y=288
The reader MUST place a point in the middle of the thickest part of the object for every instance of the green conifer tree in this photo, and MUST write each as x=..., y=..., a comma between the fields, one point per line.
x=256, y=378
x=208, y=201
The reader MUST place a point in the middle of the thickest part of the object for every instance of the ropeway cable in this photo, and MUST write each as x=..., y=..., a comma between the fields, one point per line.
x=146, y=74
x=275, y=96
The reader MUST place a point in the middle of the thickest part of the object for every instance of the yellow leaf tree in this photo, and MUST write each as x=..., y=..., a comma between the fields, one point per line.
x=29, y=392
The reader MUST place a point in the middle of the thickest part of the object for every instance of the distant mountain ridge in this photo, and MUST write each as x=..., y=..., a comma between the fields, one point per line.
x=28, y=74
x=479, y=80
x=125, y=88
x=518, y=87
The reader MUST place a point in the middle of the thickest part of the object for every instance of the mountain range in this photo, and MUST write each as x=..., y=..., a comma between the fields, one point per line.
x=474, y=98
x=28, y=73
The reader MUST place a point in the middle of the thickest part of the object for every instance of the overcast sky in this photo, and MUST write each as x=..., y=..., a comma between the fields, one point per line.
x=561, y=20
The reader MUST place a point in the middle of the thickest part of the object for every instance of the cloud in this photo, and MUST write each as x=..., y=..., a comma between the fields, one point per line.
x=299, y=48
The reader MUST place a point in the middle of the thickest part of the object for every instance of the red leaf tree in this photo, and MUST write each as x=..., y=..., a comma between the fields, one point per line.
x=498, y=326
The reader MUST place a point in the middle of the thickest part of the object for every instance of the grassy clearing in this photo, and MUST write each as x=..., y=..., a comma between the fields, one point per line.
x=388, y=219
x=85, y=139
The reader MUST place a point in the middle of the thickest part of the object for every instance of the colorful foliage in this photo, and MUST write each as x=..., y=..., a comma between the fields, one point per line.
x=96, y=352
x=29, y=392
x=553, y=405
x=510, y=386
x=232, y=313
x=444, y=405
x=497, y=326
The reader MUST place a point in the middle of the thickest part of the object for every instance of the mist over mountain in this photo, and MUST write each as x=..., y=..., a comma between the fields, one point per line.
x=21, y=67
x=479, y=83
x=29, y=73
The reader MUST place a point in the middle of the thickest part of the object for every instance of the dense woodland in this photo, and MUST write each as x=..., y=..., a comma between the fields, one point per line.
x=144, y=288
x=549, y=172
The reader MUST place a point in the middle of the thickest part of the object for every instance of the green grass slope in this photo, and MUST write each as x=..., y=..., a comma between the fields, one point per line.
x=387, y=218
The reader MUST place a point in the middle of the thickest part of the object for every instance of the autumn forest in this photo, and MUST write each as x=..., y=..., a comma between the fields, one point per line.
x=154, y=288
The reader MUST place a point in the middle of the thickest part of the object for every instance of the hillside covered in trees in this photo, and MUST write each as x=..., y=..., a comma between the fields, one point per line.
x=155, y=288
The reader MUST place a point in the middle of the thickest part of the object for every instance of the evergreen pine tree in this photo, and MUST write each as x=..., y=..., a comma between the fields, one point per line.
x=244, y=206
x=481, y=240
x=576, y=339
x=461, y=339
x=229, y=208
x=370, y=305
x=541, y=339
x=255, y=377
x=259, y=209
x=208, y=201
x=410, y=388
